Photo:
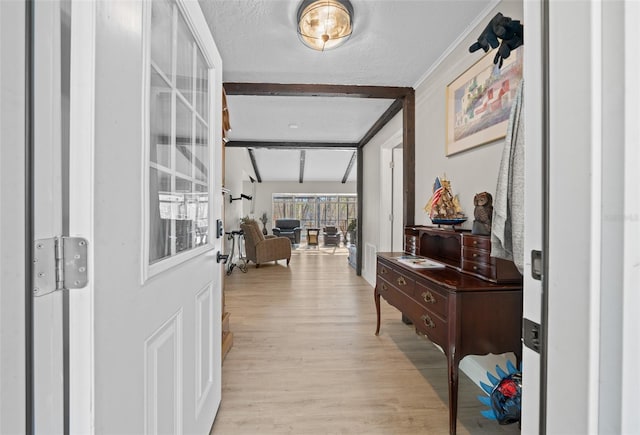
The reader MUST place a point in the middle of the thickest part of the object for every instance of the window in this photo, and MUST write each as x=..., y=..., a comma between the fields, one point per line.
x=316, y=210
x=179, y=151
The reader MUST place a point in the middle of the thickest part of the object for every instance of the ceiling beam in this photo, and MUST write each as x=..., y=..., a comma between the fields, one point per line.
x=255, y=165
x=349, y=167
x=387, y=116
x=316, y=90
x=303, y=155
x=291, y=145
x=409, y=158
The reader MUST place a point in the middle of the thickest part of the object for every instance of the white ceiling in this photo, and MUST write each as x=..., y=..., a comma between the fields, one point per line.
x=394, y=43
x=317, y=119
x=318, y=163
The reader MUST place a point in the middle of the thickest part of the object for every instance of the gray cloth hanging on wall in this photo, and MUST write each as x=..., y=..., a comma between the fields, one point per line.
x=507, y=228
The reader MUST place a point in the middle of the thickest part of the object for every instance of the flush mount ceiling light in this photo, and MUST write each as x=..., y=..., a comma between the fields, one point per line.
x=325, y=24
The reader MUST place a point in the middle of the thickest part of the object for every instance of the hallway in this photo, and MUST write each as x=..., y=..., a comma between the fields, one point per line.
x=305, y=359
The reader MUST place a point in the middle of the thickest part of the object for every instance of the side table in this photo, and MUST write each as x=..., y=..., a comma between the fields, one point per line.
x=235, y=236
x=312, y=236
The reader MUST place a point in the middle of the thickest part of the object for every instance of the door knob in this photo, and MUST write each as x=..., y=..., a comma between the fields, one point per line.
x=221, y=257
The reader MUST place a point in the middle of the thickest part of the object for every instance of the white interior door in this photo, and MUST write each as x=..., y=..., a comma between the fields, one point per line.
x=397, y=221
x=48, y=308
x=391, y=222
x=12, y=219
x=532, y=295
x=592, y=174
x=145, y=179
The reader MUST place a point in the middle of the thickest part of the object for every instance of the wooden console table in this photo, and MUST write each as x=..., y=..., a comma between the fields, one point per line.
x=473, y=306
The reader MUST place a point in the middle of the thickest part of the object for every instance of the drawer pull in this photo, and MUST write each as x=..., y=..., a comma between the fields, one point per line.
x=383, y=271
x=384, y=288
x=401, y=281
x=428, y=298
x=475, y=255
x=475, y=242
x=427, y=321
x=475, y=267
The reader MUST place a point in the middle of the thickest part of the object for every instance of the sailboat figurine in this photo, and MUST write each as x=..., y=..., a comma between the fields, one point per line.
x=443, y=207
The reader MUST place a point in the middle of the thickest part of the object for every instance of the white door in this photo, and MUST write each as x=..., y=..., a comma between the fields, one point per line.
x=145, y=190
x=12, y=219
x=588, y=372
x=391, y=222
x=397, y=199
x=533, y=212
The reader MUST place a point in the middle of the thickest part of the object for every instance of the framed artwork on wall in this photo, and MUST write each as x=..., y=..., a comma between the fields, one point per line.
x=479, y=102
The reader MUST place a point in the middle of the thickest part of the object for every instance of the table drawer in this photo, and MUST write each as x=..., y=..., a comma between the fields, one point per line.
x=477, y=255
x=478, y=242
x=430, y=324
x=487, y=270
x=397, y=279
x=384, y=287
x=393, y=296
x=431, y=299
x=384, y=271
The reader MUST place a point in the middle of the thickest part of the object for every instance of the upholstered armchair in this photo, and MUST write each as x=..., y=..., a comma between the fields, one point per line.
x=288, y=228
x=331, y=236
x=260, y=248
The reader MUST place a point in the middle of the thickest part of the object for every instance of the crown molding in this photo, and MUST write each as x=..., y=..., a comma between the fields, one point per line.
x=463, y=35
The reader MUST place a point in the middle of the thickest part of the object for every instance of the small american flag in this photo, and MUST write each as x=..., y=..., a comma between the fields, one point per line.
x=437, y=192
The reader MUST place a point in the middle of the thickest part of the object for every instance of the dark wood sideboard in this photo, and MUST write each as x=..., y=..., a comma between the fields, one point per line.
x=473, y=306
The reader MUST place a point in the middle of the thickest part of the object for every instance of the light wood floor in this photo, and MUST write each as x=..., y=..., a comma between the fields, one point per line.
x=305, y=359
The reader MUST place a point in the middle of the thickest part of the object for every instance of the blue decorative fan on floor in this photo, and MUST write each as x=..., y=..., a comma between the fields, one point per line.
x=504, y=395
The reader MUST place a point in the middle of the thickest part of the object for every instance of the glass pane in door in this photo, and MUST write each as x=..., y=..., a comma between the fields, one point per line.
x=161, y=213
x=184, y=63
x=179, y=146
x=185, y=227
x=202, y=151
x=161, y=30
x=202, y=214
x=202, y=86
x=160, y=120
x=184, y=153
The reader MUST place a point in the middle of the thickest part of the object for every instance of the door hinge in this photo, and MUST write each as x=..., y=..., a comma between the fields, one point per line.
x=531, y=334
x=392, y=164
x=59, y=263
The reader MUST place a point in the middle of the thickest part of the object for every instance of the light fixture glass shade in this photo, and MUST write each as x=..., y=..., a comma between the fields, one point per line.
x=325, y=24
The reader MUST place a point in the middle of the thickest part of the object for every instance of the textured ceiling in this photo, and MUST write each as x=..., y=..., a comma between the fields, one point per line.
x=394, y=43
x=328, y=119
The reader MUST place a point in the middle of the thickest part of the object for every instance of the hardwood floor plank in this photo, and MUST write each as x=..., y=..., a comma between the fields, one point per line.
x=305, y=359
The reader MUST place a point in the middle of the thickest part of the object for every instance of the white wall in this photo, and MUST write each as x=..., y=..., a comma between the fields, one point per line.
x=474, y=170
x=470, y=172
x=235, y=160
